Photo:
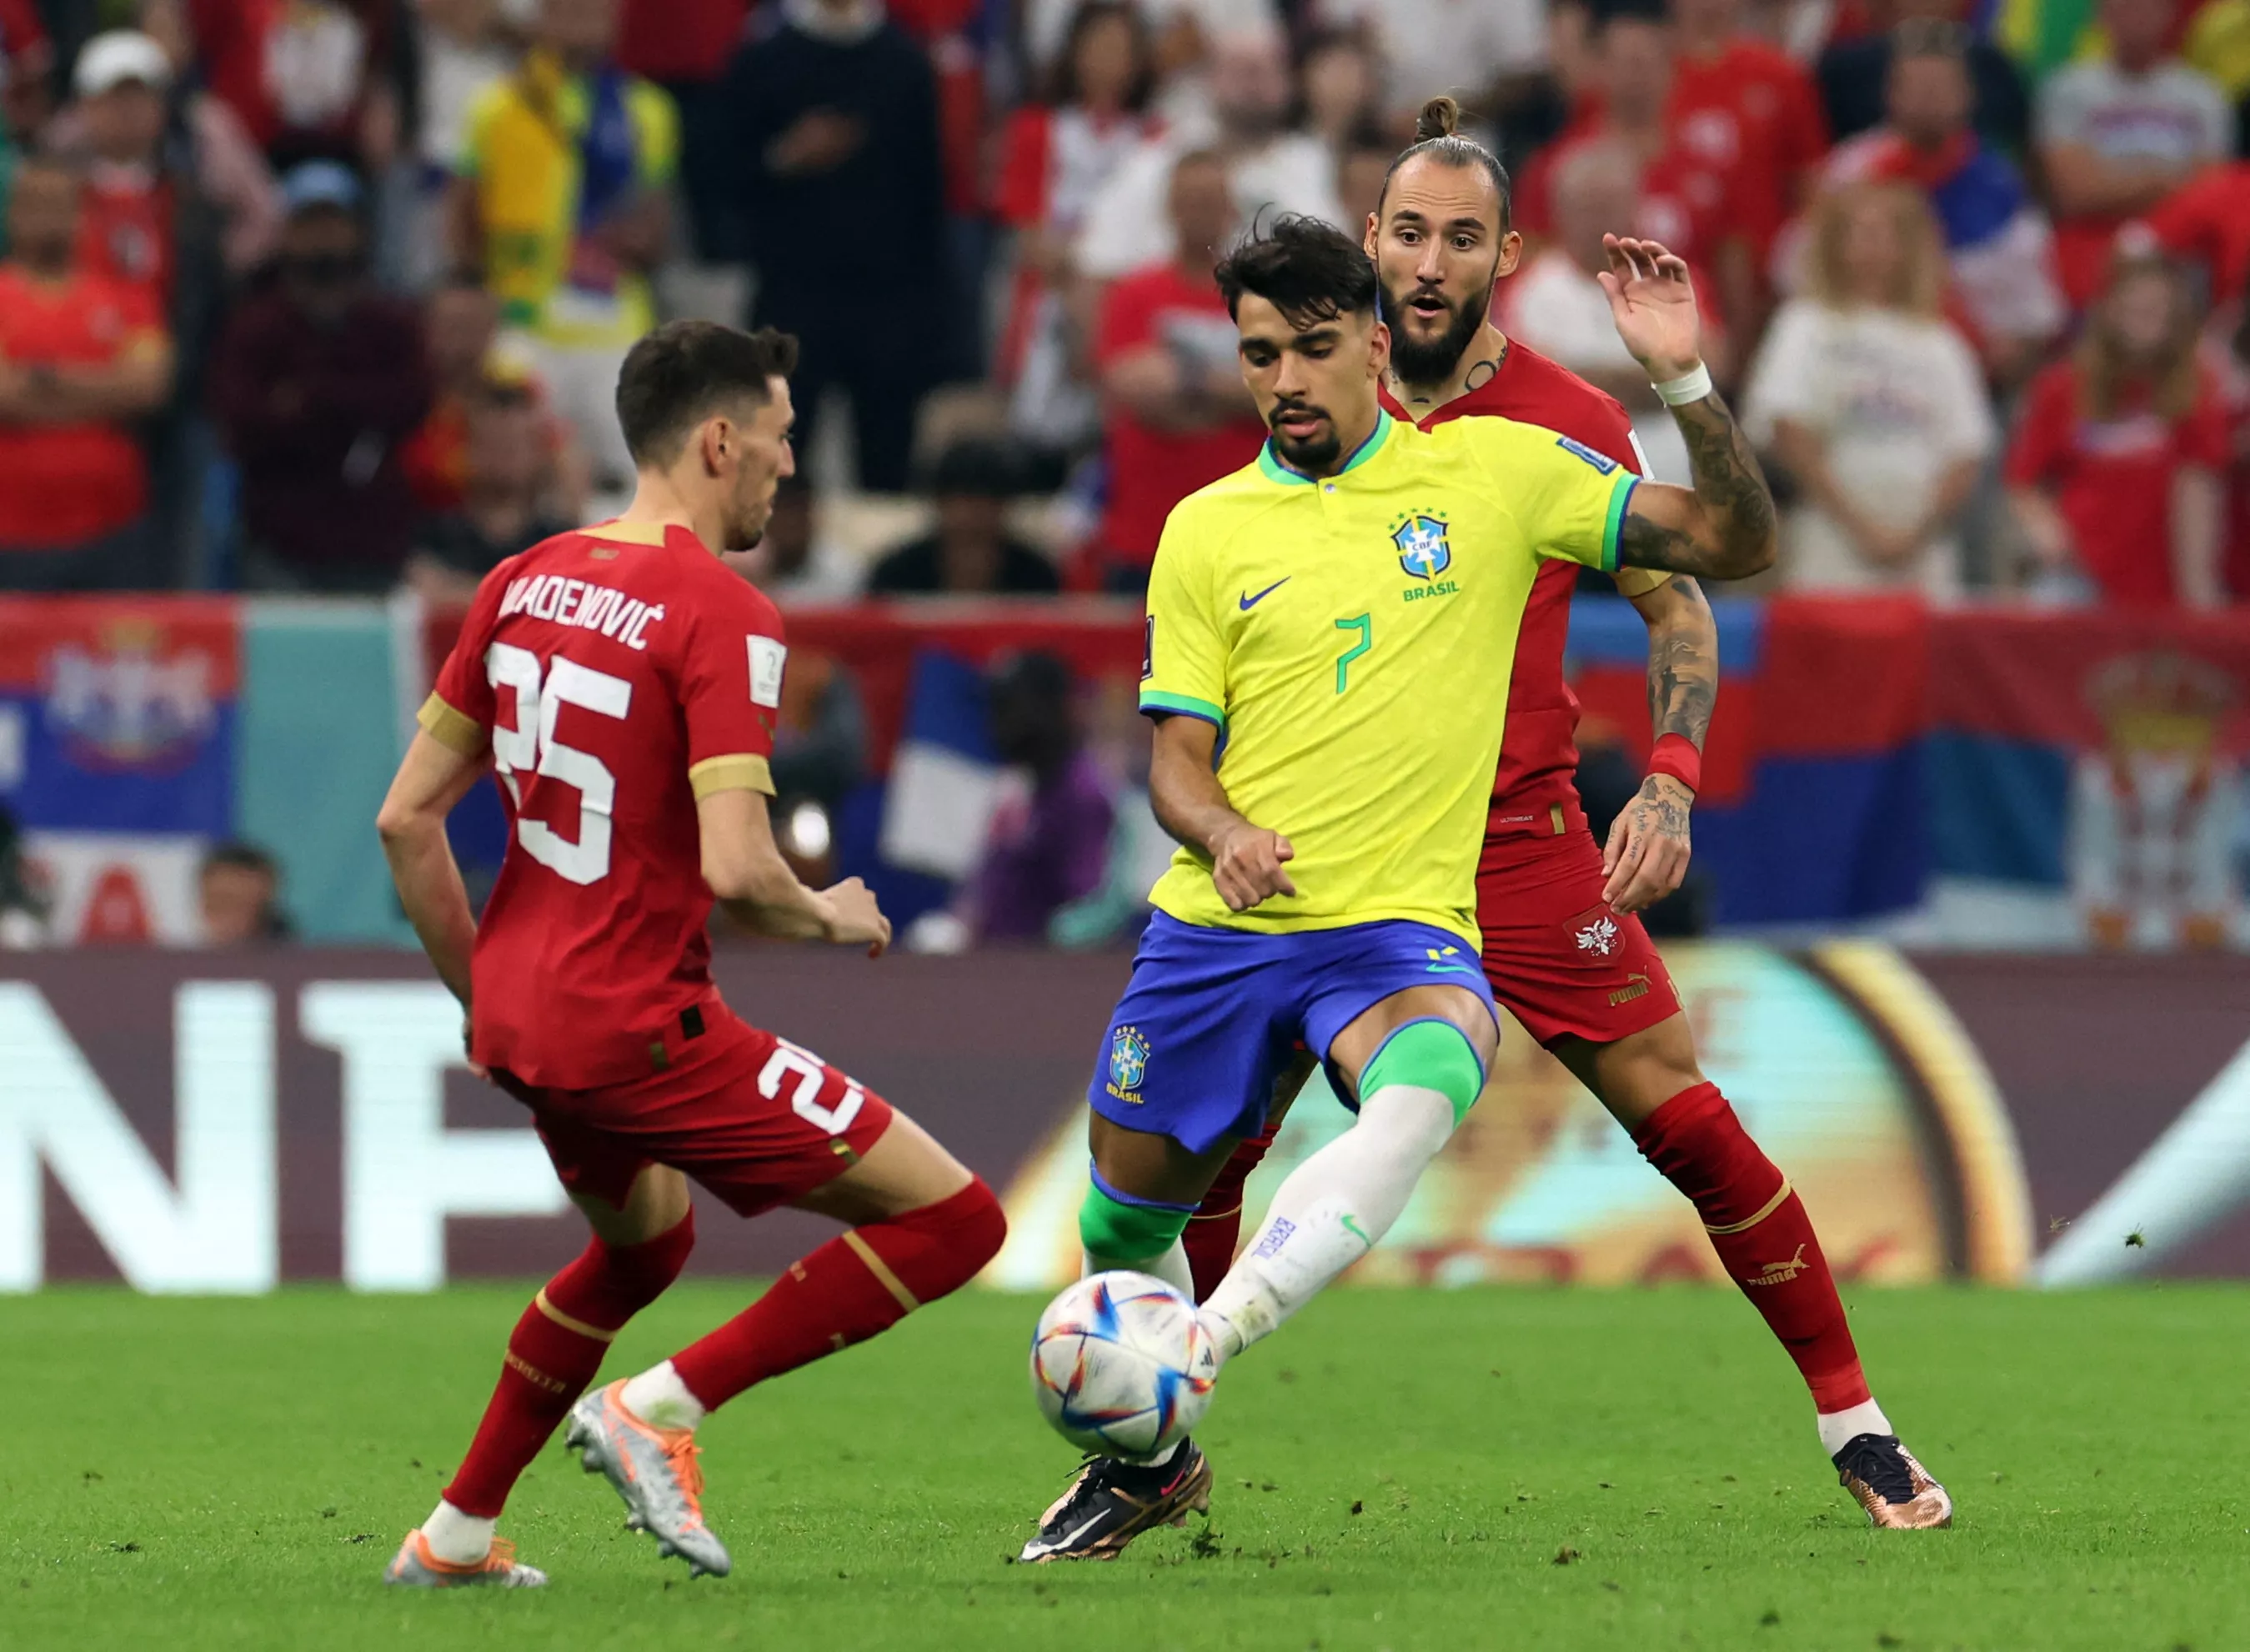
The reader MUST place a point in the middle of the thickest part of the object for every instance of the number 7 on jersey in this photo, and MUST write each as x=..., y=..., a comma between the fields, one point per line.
x=1364, y=625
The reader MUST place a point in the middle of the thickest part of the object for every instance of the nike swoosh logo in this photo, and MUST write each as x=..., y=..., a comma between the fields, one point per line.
x=1359, y=1232
x=1069, y=1537
x=1448, y=969
x=1249, y=602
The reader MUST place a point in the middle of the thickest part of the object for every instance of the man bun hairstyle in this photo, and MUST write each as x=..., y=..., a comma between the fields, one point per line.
x=1438, y=135
x=1304, y=267
x=1440, y=118
x=685, y=372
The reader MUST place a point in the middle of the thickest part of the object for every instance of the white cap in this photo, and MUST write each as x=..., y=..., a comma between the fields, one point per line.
x=109, y=60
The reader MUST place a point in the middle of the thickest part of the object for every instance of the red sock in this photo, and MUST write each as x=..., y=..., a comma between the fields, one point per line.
x=1216, y=1227
x=1764, y=1240
x=860, y=1282
x=556, y=1348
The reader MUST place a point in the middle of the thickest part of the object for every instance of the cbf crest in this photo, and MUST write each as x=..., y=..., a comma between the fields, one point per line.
x=1423, y=550
x=1129, y=1063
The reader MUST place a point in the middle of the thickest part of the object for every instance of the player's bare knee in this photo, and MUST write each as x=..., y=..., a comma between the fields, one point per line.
x=1637, y=1075
x=904, y=1170
x=658, y=1201
x=1357, y=1045
x=1153, y=1167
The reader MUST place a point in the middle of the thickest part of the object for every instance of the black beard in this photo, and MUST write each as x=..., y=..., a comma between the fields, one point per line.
x=1419, y=363
x=1309, y=458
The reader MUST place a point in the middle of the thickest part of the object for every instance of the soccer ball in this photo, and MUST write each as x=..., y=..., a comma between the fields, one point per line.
x=1120, y=1365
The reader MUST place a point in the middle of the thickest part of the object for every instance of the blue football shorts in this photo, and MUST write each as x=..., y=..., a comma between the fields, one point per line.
x=1212, y=1016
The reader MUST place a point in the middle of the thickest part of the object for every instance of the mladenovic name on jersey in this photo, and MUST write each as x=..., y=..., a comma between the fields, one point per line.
x=581, y=603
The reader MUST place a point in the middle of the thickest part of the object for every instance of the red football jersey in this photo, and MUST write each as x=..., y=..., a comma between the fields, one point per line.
x=619, y=673
x=1533, y=792
x=69, y=482
x=1689, y=201
x=1752, y=112
x=2112, y=478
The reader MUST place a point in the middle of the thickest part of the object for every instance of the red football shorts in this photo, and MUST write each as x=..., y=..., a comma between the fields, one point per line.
x=749, y=1116
x=1564, y=961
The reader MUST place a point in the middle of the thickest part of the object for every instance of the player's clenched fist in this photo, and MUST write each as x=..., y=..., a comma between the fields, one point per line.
x=856, y=920
x=1245, y=865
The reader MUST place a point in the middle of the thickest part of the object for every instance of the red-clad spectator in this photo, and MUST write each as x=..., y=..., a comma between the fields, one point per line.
x=317, y=385
x=2116, y=135
x=1747, y=108
x=468, y=361
x=1054, y=156
x=1176, y=414
x=129, y=228
x=309, y=78
x=148, y=217
x=82, y=357
x=30, y=57
x=2208, y=222
x=1687, y=201
x=2116, y=464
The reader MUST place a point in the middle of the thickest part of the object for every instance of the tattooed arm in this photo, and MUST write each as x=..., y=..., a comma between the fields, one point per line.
x=1724, y=527
x=1683, y=659
x=1721, y=527
x=1648, y=848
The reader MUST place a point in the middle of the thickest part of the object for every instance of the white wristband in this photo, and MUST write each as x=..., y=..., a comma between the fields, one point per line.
x=1688, y=387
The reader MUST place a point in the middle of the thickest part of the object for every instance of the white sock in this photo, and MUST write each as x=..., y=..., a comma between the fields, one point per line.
x=456, y=1538
x=1171, y=1268
x=659, y=1398
x=1839, y=1429
x=1331, y=1212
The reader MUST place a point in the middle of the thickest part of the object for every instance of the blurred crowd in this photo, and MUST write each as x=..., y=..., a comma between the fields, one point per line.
x=329, y=295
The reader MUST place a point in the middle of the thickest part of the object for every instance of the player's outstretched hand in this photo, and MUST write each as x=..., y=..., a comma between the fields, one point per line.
x=858, y=921
x=1647, y=852
x=1652, y=302
x=1246, y=866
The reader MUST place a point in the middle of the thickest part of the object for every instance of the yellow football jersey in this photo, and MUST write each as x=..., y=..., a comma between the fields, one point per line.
x=1352, y=636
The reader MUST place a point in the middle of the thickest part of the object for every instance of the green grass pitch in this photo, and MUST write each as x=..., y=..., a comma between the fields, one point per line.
x=1482, y=1469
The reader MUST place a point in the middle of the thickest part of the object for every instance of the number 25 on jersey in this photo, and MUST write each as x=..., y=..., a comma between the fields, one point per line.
x=529, y=746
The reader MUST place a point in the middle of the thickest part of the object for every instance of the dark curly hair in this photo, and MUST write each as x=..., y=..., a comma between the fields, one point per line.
x=1304, y=267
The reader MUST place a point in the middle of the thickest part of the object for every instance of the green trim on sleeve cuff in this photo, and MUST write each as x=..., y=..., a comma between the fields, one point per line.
x=1620, y=499
x=1154, y=700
